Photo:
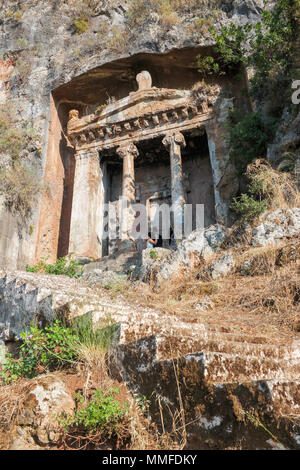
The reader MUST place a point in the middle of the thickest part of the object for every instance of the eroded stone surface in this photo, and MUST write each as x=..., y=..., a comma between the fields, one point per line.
x=222, y=373
x=37, y=425
x=198, y=246
x=277, y=226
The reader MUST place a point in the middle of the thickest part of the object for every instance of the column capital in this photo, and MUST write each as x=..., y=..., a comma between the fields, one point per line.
x=129, y=149
x=87, y=155
x=174, y=138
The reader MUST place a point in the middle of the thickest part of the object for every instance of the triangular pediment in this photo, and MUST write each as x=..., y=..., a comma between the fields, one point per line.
x=143, y=114
x=143, y=104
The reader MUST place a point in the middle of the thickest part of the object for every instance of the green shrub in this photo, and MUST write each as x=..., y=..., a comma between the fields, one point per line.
x=153, y=254
x=279, y=188
x=81, y=24
x=41, y=350
x=64, y=266
x=248, y=208
x=91, y=335
x=104, y=413
x=267, y=46
x=57, y=346
x=249, y=136
x=228, y=50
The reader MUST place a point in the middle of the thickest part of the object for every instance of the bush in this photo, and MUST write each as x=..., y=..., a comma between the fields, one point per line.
x=267, y=46
x=58, y=346
x=249, y=136
x=228, y=49
x=153, y=255
x=90, y=335
x=248, y=208
x=277, y=187
x=267, y=189
x=101, y=419
x=62, y=267
x=81, y=24
x=41, y=350
x=20, y=187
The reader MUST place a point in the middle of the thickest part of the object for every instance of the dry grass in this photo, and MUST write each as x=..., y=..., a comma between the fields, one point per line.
x=259, y=303
x=135, y=432
x=256, y=261
x=279, y=188
x=11, y=402
x=92, y=363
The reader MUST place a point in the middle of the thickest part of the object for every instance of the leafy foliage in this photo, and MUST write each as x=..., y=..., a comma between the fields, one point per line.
x=104, y=413
x=64, y=266
x=228, y=49
x=266, y=46
x=56, y=346
x=153, y=254
x=49, y=349
x=249, y=136
x=247, y=207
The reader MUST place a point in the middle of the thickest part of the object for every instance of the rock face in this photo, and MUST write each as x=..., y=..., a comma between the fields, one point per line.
x=201, y=245
x=276, y=226
x=223, y=266
x=196, y=248
x=46, y=64
x=37, y=424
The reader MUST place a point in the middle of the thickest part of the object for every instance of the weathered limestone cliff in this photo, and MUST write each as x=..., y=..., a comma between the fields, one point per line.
x=47, y=68
x=102, y=100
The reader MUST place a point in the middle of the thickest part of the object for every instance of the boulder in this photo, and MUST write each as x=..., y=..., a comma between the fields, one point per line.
x=198, y=246
x=222, y=266
x=152, y=260
x=275, y=226
x=46, y=399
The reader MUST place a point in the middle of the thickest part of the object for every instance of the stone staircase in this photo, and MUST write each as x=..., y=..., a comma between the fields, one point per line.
x=220, y=373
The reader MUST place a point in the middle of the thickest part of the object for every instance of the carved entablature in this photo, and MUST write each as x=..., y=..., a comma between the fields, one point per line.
x=145, y=114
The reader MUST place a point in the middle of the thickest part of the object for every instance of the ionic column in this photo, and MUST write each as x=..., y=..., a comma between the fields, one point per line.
x=87, y=207
x=128, y=153
x=174, y=142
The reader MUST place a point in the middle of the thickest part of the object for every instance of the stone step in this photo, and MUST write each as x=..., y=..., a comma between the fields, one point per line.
x=285, y=396
x=209, y=367
x=222, y=367
x=169, y=346
x=135, y=330
x=281, y=397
